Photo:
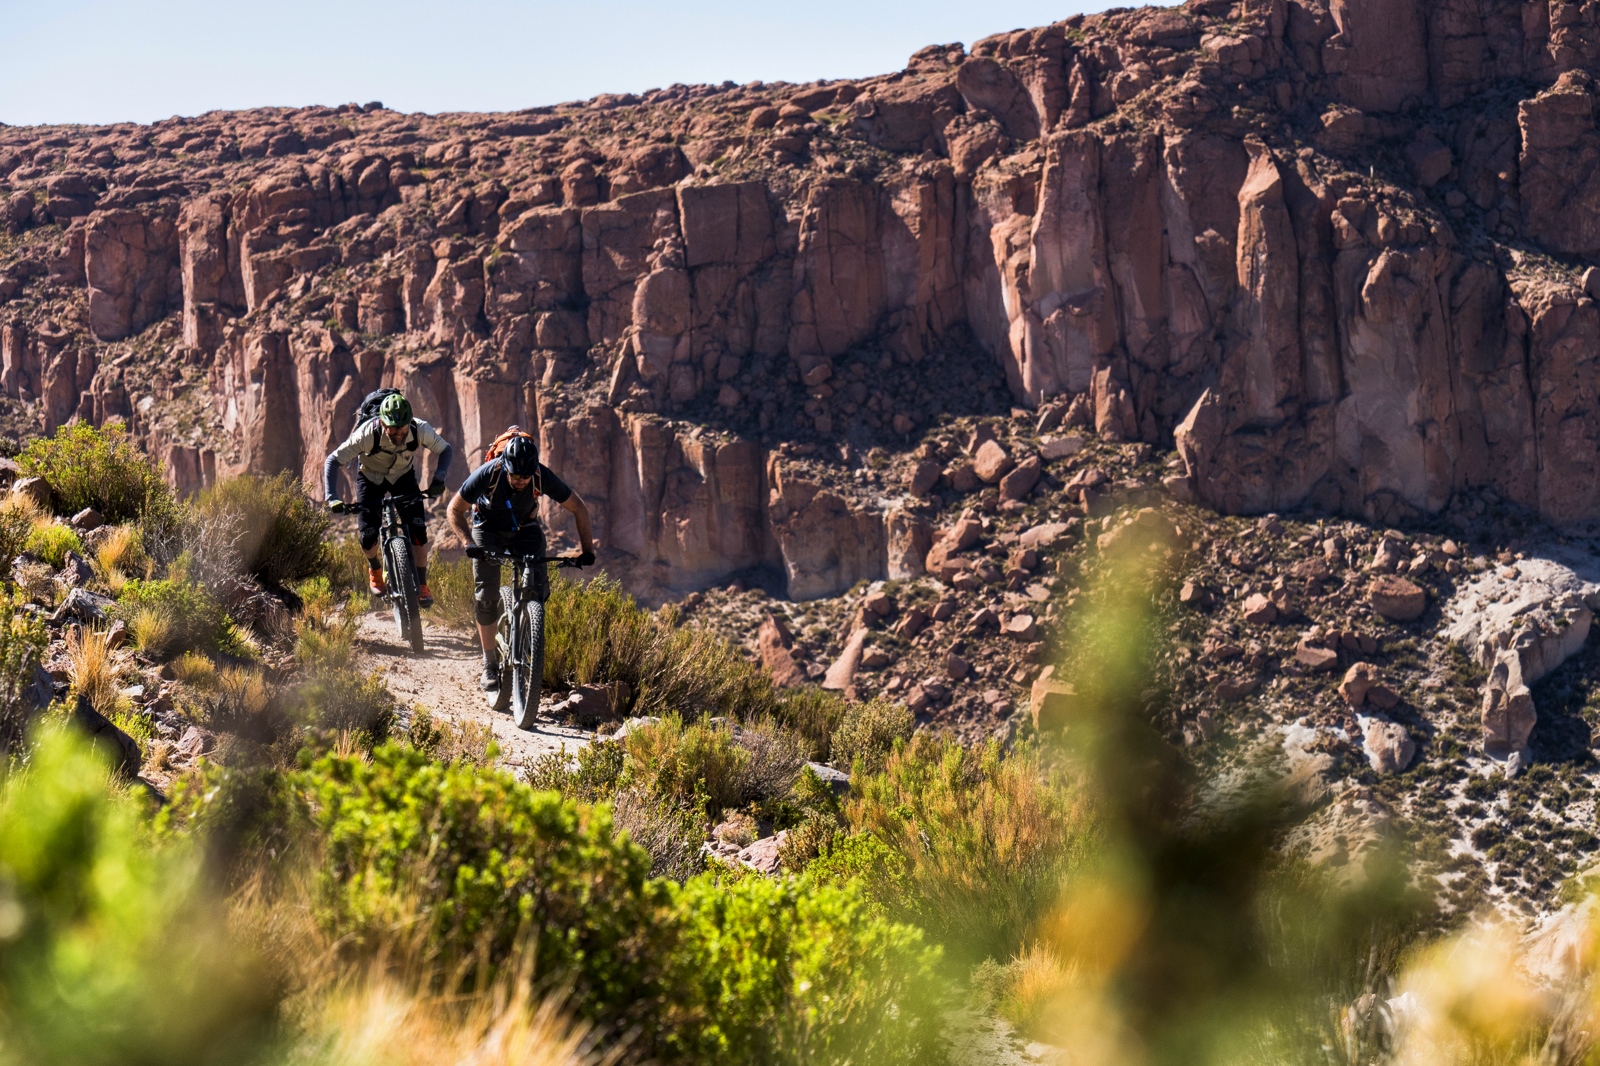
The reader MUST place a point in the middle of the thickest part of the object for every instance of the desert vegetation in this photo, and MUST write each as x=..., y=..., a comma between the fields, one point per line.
x=343, y=880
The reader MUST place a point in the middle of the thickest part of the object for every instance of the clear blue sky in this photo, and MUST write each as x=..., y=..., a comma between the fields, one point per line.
x=95, y=61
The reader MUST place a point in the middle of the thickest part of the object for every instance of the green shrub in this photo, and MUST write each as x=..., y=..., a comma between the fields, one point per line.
x=51, y=541
x=594, y=632
x=101, y=468
x=813, y=713
x=110, y=952
x=692, y=764
x=23, y=638
x=868, y=734
x=985, y=840
x=451, y=585
x=278, y=530
x=794, y=972
x=17, y=515
x=482, y=859
x=343, y=700
x=591, y=775
x=180, y=615
x=347, y=565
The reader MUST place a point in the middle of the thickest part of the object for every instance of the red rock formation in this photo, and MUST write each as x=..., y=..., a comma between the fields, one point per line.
x=1255, y=229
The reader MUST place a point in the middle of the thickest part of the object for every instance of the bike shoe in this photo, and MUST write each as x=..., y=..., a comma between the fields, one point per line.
x=424, y=597
x=490, y=681
x=375, y=582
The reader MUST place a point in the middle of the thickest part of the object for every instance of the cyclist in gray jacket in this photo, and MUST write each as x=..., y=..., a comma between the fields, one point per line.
x=386, y=446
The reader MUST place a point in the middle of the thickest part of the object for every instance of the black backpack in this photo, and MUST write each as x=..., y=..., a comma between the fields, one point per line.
x=369, y=410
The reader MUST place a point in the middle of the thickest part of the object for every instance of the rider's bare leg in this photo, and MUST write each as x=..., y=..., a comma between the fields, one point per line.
x=486, y=638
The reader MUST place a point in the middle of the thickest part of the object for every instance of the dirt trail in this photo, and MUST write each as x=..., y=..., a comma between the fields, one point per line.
x=444, y=679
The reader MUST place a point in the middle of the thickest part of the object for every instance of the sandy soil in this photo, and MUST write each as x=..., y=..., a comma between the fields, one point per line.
x=444, y=679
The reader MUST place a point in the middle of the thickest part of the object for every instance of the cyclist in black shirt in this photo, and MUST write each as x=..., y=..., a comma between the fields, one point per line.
x=503, y=495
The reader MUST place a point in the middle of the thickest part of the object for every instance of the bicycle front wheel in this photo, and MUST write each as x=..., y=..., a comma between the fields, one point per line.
x=403, y=587
x=528, y=674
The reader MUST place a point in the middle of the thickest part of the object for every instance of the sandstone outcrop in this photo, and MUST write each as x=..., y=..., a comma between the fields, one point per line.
x=1162, y=225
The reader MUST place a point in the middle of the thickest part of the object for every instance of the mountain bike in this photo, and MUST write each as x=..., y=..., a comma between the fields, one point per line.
x=520, y=637
x=399, y=571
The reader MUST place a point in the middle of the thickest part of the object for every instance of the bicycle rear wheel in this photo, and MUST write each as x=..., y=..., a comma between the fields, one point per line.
x=403, y=587
x=528, y=677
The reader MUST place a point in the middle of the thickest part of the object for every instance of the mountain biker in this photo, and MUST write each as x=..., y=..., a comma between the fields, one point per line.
x=504, y=494
x=386, y=446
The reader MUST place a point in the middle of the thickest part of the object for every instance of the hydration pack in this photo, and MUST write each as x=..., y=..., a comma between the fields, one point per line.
x=368, y=411
x=500, y=442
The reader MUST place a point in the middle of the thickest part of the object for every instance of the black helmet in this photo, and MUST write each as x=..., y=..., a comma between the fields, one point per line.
x=521, y=457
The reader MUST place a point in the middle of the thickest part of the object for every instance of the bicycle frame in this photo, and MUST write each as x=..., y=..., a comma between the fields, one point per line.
x=520, y=635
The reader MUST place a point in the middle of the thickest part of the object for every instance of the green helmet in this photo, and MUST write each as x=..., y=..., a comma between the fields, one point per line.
x=395, y=410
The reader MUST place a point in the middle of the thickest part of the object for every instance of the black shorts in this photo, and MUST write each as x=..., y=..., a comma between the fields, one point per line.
x=369, y=507
x=486, y=572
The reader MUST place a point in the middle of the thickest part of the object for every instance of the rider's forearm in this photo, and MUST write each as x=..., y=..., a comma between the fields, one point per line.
x=443, y=468
x=330, y=470
x=581, y=514
x=457, y=517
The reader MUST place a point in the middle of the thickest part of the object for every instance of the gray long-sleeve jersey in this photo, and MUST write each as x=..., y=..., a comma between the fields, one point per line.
x=382, y=460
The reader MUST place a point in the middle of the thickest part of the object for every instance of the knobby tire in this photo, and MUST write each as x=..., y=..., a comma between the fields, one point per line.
x=528, y=675
x=407, y=612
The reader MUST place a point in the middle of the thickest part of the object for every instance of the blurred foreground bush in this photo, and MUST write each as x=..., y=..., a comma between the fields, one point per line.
x=109, y=950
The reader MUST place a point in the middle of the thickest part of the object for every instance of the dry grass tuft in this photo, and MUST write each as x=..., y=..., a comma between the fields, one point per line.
x=121, y=556
x=92, y=668
x=383, y=1021
x=241, y=697
x=152, y=631
x=196, y=671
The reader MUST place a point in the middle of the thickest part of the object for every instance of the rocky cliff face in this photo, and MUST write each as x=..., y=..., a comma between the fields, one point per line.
x=1334, y=250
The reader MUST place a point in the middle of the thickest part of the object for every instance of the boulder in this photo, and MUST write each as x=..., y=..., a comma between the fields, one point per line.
x=924, y=476
x=837, y=780
x=763, y=855
x=1043, y=536
x=1357, y=681
x=1388, y=746
x=75, y=571
x=1061, y=447
x=956, y=667
x=843, y=671
x=1397, y=599
x=118, y=747
x=991, y=462
x=1021, y=627
x=1315, y=658
x=87, y=519
x=593, y=704
x=775, y=644
x=1052, y=703
x=1508, y=715
x=1259, y=610
x=81, y=605
x=1021, y=480
x=36, y=489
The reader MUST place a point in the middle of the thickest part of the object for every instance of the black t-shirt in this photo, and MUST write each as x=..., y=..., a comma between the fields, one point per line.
x=495, y=507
